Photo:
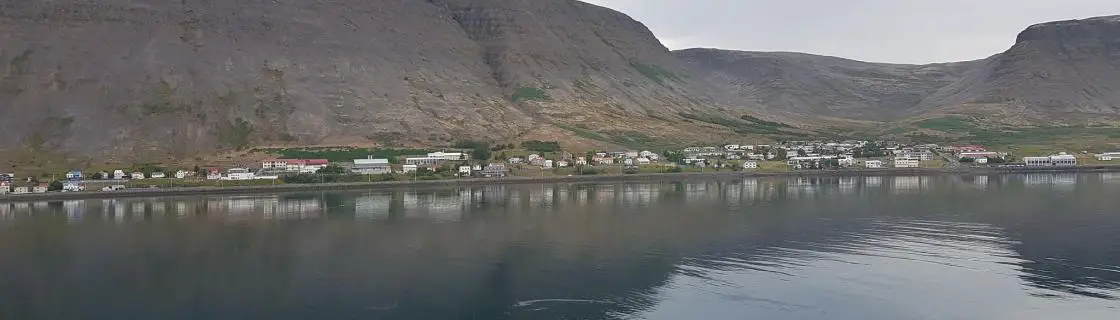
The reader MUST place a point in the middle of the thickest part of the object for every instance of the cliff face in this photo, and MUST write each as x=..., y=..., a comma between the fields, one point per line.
x=1058, y=70
x=128, y=77
x=1066, y=69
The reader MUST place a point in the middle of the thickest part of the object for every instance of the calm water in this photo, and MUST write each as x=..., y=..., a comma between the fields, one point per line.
x=1000, y=247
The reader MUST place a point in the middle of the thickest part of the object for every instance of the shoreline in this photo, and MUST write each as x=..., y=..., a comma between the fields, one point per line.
x=641, y=177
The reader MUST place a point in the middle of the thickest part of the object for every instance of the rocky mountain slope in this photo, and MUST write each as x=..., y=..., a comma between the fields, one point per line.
x=177, y=78
x=1065, y=69
x=158, y=79
x=821, y=85
x=1058, y=70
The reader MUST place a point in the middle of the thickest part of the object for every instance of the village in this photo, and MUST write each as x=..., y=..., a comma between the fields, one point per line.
x=458, y=164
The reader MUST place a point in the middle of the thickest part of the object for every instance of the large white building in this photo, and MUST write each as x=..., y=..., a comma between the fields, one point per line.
x=1108, y=156
x=907, y=163
x=1057, y=160
x=436, y=158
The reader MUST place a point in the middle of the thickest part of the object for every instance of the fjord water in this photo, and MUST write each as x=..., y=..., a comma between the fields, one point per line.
x=1039, y=246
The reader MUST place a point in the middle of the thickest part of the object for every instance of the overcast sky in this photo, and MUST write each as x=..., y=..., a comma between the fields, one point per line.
x=903, y=31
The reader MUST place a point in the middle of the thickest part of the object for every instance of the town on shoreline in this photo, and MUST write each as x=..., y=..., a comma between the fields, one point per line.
x=540, y=159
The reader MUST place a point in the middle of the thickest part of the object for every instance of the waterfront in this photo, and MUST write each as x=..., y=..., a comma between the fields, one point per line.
x=1029, y=246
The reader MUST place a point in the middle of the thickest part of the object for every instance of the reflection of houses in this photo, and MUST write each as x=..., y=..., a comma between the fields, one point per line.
x=909, y=183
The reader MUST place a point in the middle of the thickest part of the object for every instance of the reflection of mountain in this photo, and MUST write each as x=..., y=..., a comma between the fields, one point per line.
x=589, y=259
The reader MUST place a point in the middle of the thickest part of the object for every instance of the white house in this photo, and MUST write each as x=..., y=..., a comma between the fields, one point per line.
x=646, y=154
x=295, y=165
x=73, y=187
x=182, y=174
x=731, y=147
x=118, y=175
x=238, y=174
x=981, y=160
x=750, y=165
x=644, y=161
x=213, y=174
x=464, y=170
x=547, y=164
x=873, y=164
x=907, y=163
x=409, y=168
x=562, y=164
x=21, y=190
x=628, y=161
x=5, y=187
x=158, y=175
x=137, y=176
x=847, y=162
x=632, y=154
x=581, y=161
x=515, y=160
x=40, y=188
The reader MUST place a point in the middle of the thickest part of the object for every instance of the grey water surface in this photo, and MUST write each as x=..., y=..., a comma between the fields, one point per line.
x=1037, y=246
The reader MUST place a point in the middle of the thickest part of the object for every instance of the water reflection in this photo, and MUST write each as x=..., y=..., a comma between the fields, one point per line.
x=946, y=246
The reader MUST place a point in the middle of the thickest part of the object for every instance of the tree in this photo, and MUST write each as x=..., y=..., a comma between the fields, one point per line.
x=801, y=153
x=481, y=154
x=98, y=176
x=674, y=157
x=967, y=160
x=332, y=169
x=55, y=186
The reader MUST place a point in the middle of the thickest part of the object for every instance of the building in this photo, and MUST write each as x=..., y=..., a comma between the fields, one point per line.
x=464, y=171
x=40, y=188
x=372, y=166
x=137, y=175
x=158, y=175
x=562, y=164
x=581, y=161
x=920, y=155
x=628, y=161
x=409, y=168
x=74, y=175
x=5, y=187
x=644, y=161
x=982, y=160
x=1108, y=156
x=966, y=149
x=21, y=190
x=847, y=162
x=750, y=165
x=118, y=175
x=547, y=164
x=73, y=187
x=632, y=154
x=239, y=174
x=295, y=165
x=495, y=170
x=907, y=163
x=979, y=154
x=182, y=174
x=213, y=174
x=1057, y=160
x=436, y=158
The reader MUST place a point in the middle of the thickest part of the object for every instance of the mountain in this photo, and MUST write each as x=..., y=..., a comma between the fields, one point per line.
x=825, y=86
x=128, y=78
x=1057, y=70
x=1066, y=70
x=149, y=80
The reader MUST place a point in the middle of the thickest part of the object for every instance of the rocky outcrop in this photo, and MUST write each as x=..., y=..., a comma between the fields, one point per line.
x=177, y=78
